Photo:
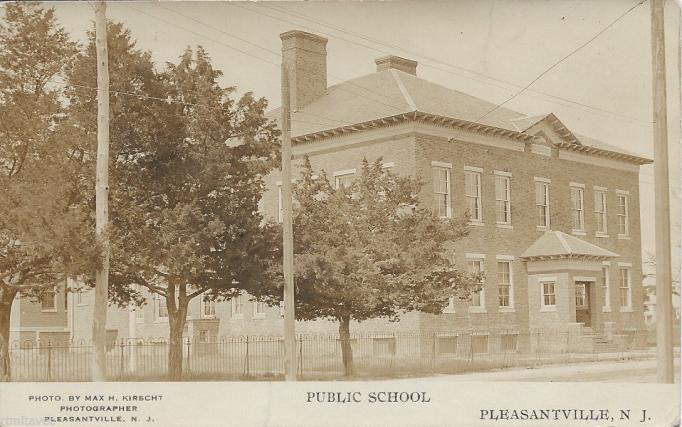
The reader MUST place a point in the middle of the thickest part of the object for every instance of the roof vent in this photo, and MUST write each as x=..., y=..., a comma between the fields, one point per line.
x=391, y=61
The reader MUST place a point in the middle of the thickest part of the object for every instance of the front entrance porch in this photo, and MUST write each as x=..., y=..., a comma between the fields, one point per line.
x=564, y=289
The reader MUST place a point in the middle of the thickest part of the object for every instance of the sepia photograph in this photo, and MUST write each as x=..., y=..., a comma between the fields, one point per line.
x=418, y=213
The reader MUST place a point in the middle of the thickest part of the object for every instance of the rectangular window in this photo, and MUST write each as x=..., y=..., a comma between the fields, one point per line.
x=477, y=298
x=623, y=220
x=472, y=186
x=48, y=300
x=238, y=306
x=509, y=342
x=441, y=192
x=479, y=344
x=577, y=208
x=625, y=288
x=502, y=199
x=258, y=309
x=81, y=297
x=344, y=179
x=280, y=204
x=504, y=283
x=605, y=286
x=548, y=294
x=447, y=345
x=580, y=295
x=139, y=314
x=600, y=210
x=161, y=307
x=383, y=346
x=542, y=204
x=207, y=308
x=203, y=336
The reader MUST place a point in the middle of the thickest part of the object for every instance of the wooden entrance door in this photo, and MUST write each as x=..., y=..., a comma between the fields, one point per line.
x=582, y=303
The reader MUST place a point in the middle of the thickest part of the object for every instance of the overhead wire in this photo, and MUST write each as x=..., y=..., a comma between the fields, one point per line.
x=564, y=58
x=313, y=72
x=566, y=102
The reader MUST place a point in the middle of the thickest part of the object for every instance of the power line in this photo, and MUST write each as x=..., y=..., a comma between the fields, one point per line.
x=276, y=64
x=278, y=54
x=359, y=35
x=350, y=83
x=274, y=52
x=562, y=60
x=168, y=100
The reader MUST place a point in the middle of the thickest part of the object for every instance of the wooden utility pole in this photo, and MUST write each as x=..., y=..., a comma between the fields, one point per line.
x=290, y=362
x=99, y=330
x=664, y=320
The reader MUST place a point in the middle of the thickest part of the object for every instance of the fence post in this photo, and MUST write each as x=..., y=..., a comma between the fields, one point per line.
x=189, y=342
x=121, y=367
x=300, y=355
x=49, y=361
x=246, y=367
x=433, y=353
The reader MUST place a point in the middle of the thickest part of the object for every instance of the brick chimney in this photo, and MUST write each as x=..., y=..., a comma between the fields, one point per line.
x=391, y=61
x=305, y=56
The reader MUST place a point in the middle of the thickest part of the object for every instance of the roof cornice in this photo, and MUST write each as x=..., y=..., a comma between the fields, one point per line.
x=603, y=153
x=414, y=116
x=569, y=141
x=576, y=257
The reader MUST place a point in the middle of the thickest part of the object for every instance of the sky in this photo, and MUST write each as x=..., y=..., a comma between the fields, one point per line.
x=486, y=48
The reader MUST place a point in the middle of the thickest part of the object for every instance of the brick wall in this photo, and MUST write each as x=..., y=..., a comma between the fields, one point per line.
x=492, y=240
x=32, y=315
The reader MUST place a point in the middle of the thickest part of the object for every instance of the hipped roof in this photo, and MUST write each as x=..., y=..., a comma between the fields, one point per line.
x=391, y=96
x=559, y=245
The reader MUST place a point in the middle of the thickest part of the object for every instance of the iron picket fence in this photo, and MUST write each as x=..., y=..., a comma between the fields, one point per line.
x=377, y=354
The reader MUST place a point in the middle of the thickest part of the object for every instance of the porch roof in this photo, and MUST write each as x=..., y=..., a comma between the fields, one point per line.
x=559, y=245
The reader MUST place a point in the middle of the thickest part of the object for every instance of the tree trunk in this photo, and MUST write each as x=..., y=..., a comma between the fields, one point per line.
x=175, y=349
x=6, y=298
x=177, y=316
x=346, y=349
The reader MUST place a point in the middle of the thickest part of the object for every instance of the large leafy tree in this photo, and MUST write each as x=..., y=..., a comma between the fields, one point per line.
x=45, y=229
x=370, y=250
x=186, y=177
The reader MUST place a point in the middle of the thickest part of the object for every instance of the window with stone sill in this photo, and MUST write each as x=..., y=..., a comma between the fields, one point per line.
x=577, y=208
x=207, y=308
x=48, y=300
x=477, y=298
x=345, y=180
x=160, y=308
x=258, y=309
x=548, y=294
x=625, y=288
x=441, y=192
x=504, y=283
x=502, y=199
x=238, y=306
x=472, y=186
x=605, y=287
x=542, y=204
x=600, y=211
x=623, y=219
